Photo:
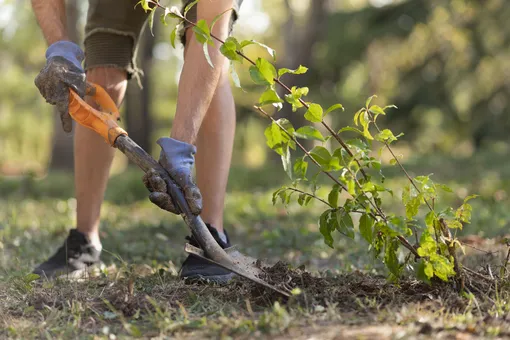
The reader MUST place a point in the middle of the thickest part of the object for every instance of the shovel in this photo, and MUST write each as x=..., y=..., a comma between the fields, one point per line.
x=104, y=122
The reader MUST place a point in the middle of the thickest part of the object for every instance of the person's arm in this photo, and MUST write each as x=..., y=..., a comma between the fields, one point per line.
x=51, y=16
x=199, y=80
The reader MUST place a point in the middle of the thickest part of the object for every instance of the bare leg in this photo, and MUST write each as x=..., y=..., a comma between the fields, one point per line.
x=214, y=143
x=93, y=157
x=214, y=152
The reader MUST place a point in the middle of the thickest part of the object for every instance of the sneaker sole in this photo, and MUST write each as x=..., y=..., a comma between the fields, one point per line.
x=77, y=275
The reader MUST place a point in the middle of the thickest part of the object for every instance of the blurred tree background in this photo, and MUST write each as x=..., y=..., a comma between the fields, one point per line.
x=444, y=63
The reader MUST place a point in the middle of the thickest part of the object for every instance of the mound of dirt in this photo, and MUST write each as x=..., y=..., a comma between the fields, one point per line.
x=348, y=291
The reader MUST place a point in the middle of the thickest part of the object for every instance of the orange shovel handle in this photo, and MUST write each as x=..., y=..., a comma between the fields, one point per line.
x=103, y=122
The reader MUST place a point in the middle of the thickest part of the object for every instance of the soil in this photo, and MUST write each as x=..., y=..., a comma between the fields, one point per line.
x=347, y=290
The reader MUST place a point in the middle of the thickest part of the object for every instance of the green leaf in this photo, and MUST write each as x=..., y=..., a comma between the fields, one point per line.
x=470, y=198
x=144, y=4
x=423, y=268
x=349, y=128
x=172, y=12
x=189, y=6
x=413, y=206
x=309, y=132
x=391, y=259
x=287, y=164
x=430, y=218
x=333, y=108
x=301, y=167
x=202, y=33
x=275, y=138
x=326, y=228
x=366, y=224
x=267, y=48
x=270, y=97
x=300, y=70
x=229, y=49
x=376, y=110
x=453, y=224
x=30, y=277
x=428, y=245
x=397, y=226
x=443, y=267
x=301, y=199
x=344, y=223
x=234, y=75
x=369, y=100
x=151, y=20
x=385, y=136
x=206, y=54
x=314, y=113
x=216, y=18
x=357, y=115
x=173, y=35
x=364, y=120
x=321, y=155
x=263, y=72
x=444, y=187
x=294, y=97
x=463, y=213
x=333, y=196
x=428, y=270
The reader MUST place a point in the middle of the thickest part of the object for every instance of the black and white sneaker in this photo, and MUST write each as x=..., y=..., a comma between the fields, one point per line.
x=75, y=259
x=195, y=269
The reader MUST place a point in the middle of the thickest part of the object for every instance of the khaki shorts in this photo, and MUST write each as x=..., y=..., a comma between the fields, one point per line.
x=113, y=28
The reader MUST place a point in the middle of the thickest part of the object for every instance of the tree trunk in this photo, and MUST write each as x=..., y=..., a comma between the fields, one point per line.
x=62, y=149
x=138, y=101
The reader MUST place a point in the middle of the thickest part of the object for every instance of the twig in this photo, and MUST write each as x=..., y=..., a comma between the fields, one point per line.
x=311, y=195
x=488, y=279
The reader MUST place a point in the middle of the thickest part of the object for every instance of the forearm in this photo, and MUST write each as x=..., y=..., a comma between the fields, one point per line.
x=198, y=81
x=51, y=17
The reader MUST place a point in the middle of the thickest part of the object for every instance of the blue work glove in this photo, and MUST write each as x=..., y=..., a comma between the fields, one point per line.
x=178, y=159
x=62, y=71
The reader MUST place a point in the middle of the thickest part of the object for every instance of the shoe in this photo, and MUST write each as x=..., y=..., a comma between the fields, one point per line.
x=195, y=269
x=76, y=258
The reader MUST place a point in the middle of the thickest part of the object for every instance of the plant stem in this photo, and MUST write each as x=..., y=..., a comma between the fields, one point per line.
x=402, y=240
x=311, y=195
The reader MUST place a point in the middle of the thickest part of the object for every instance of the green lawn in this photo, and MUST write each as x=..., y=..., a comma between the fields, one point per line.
x=140, y=294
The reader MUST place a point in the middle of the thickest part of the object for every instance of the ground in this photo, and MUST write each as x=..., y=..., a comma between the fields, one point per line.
x=343, y=293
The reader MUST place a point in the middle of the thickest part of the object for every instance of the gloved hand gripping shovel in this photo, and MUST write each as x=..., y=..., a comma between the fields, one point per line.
x=104, y=123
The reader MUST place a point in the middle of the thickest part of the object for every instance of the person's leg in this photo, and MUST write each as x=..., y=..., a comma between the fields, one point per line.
x=93, y=157
x=214, y=152
x=111, y=35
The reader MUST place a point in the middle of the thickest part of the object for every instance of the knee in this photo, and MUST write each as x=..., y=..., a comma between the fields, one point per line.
x=113, y=80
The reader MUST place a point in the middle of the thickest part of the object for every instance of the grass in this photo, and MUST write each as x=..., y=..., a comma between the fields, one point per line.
x=140, y=295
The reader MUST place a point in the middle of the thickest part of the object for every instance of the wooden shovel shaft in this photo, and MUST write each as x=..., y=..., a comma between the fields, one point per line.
x=145, y=161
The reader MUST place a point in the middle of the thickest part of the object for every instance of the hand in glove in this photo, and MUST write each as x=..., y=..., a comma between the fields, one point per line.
x=178, y=159
x=63, y=70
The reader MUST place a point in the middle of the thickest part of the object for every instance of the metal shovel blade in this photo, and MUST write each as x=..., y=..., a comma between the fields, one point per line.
x=241, y=264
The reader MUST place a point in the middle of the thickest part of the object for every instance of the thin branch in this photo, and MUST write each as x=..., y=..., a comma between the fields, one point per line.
x=471, y=271
x=311, y=195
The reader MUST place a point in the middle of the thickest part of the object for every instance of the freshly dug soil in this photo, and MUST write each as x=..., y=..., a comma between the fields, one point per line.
x=348, y=291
